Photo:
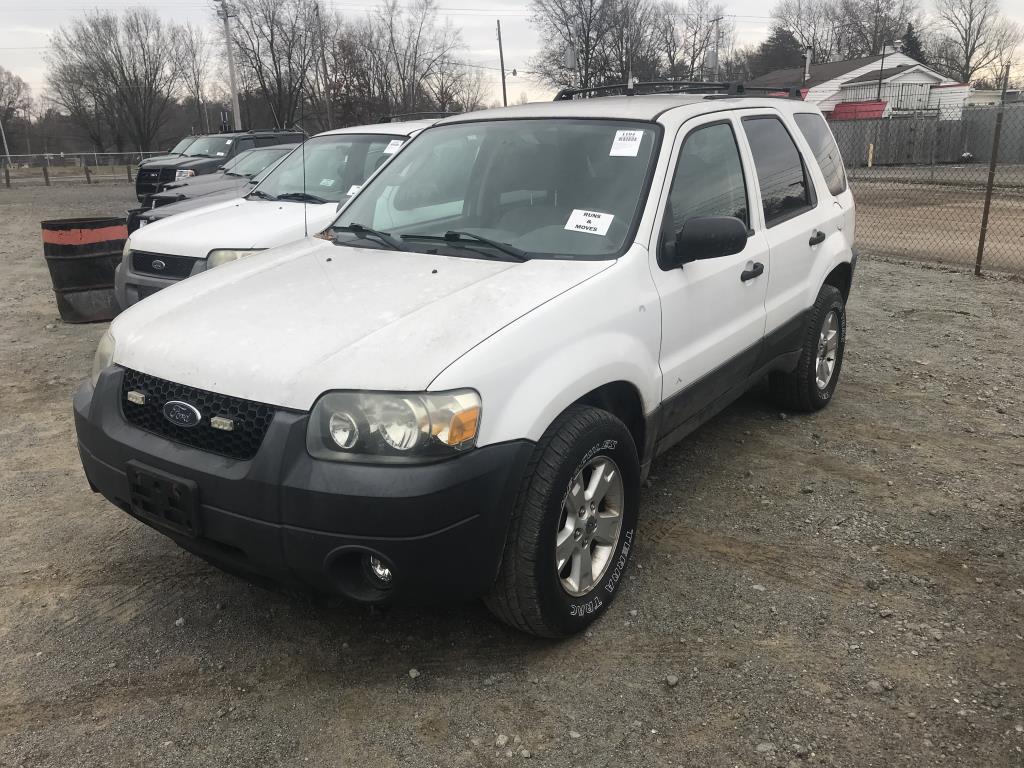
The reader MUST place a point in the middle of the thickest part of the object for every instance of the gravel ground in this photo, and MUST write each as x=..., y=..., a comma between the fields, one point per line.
x=843, y=589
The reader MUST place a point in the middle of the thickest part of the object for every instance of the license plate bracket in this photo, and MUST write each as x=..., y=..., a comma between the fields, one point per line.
x=166, y=500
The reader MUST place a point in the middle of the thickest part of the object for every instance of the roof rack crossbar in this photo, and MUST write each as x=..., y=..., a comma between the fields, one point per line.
x=677, y=86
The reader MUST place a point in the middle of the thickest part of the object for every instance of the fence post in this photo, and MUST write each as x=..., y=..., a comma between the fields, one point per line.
x=88, y=174
x=7, y=175
x=46, y=174
x=128, y=168
x=993, y=156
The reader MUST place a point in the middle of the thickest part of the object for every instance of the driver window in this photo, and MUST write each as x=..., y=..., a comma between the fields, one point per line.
x=708, y=179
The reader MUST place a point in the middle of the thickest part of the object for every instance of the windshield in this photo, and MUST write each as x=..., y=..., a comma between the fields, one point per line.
x=209, y=146
x=253, y=161
x=564, y=188
x=180, y=146
x=334, y=165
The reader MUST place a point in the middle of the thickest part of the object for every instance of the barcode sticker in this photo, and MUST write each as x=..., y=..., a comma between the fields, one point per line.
x=393, y=147
x=591, y=222
x=626, y=144
x=353, y=189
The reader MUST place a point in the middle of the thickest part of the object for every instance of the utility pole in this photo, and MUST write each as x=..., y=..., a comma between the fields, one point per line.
x=225, y=15
x=708, y=68
x=7, y=152
x=501, y=60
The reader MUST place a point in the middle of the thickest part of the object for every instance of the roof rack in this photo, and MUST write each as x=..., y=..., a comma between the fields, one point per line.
x=417, y=116
x=710, y=90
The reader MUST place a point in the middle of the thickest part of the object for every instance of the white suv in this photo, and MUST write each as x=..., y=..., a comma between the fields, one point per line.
x=460, y=393
x=301, y=195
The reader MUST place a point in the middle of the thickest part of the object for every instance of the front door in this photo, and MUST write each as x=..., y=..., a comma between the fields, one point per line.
x=712, y=310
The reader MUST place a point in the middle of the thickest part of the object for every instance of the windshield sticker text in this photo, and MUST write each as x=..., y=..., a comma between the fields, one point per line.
x=393, y=147
x=626, y=144
x=326, y=182
x=591, y=222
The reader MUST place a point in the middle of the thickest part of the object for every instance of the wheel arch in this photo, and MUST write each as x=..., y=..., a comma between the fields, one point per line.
x=621, y=399
x=841, y=278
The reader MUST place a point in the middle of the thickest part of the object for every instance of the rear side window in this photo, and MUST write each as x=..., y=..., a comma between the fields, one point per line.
x=826, y=152
x=709, y=177
x=781, y=177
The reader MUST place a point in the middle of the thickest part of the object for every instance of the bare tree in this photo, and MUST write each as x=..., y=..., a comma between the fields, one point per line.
x=116, y=76
x=813, y=23
x=867, y=26
x=975, y=36
x=195, y=54
x=15, y=95
x=276, y=42
x=578, y=28
x=631, y=44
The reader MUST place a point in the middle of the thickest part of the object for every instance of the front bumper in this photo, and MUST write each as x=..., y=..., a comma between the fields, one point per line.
x=131, y=287
x=292, y=519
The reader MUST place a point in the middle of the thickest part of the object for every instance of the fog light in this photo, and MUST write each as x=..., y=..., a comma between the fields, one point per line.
x=380, y=571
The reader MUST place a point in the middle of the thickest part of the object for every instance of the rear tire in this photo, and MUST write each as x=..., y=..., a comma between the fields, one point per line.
x=811, y=385
x=573, y=526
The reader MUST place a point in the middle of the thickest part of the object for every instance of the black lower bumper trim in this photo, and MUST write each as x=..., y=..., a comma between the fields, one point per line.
x=438, y=530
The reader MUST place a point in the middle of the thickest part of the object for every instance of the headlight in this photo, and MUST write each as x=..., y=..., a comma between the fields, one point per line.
x=393, y=426
x=183, y=174
x=104, y=356
x=221, y=256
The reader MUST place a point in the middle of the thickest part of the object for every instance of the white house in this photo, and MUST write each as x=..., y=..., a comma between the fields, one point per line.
x=872, y=86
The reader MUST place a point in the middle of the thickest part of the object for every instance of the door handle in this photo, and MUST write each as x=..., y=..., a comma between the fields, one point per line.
x=756, y=269
x=817, y=237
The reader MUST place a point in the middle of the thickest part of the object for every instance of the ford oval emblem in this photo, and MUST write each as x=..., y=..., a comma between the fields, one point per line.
x=159, y=265
x=182, y=414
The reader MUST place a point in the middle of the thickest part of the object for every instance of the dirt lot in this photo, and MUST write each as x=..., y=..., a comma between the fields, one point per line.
x=844, y=589
x=940, y=223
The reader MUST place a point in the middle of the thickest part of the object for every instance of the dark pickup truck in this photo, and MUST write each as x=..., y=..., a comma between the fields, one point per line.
x=237, y=178
x=203, y=155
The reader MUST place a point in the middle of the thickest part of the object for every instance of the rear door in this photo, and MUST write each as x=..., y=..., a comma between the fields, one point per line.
x=712, y=310
x=792, y=226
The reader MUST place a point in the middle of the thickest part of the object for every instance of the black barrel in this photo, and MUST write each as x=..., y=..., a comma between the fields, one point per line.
x=82, y=255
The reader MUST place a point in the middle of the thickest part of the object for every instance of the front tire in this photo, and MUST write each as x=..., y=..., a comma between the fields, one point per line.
x=810, y=387
x=573, y=526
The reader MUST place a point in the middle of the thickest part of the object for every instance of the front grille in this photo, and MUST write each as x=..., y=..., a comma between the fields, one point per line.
x=251, y=420
x=147, y=181
x=172, y=266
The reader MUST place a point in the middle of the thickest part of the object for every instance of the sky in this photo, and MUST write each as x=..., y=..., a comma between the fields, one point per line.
x=25, y=28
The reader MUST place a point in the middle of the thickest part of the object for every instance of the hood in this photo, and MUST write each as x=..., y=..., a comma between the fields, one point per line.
x=283, y=327
x=216, y=183
x=190, y=204
x=183, y=161
x=236, y=223
x=158, y=159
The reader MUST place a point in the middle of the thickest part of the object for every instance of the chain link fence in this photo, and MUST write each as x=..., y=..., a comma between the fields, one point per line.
x=944, y=185
x=74, y=167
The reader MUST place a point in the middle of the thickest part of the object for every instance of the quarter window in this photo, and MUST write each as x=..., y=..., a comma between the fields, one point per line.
x=820, y=139
x=781, y=176
x=708, y=179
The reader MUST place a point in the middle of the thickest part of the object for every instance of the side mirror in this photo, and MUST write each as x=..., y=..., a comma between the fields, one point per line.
x=706, y=237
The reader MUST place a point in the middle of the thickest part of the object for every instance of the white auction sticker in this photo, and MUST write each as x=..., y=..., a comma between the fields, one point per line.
x=626, y=144
x=393, y=147
x=589, y=221
x=327, y=182
x=353, y=189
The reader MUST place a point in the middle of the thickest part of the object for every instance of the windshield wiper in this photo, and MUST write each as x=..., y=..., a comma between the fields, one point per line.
x=455, y=237
x=303, y=197
x=261, y=194
x=364, y=233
